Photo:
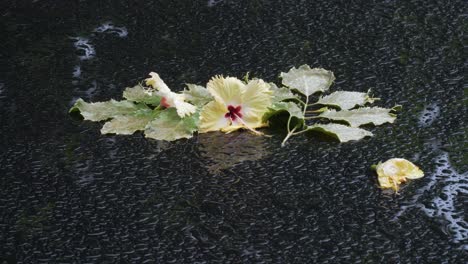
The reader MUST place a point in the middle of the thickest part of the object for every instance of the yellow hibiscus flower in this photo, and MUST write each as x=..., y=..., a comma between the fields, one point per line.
x=393, y=172
x=169, y=98
x=236, y=105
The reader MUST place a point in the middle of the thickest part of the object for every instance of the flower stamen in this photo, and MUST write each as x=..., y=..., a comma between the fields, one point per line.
x=234, y=112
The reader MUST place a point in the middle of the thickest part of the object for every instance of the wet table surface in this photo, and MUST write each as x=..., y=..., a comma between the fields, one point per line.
x=69, y=194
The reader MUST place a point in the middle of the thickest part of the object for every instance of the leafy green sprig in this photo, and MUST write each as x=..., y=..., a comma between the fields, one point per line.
x=345, y=111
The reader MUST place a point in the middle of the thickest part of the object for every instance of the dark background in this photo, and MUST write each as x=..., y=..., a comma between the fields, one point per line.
x=69, y=194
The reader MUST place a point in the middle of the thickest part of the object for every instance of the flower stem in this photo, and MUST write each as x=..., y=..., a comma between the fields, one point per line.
x=288, y=136
x=291, y=132
x=289, y=122
x=305, y=105
x=299, y=132
x=159, y=107
x=315, y=111
x=302, y=102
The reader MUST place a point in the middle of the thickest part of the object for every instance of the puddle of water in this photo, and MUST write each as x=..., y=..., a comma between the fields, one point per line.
x=444, y=204
x=108, y=27
x=429, y=115
x=84, y=45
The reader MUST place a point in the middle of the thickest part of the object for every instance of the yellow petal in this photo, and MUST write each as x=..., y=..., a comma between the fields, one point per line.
x=253, y=121
x=255, y=102
x=393, y=172
x=385, y=183
x=410, y=170
x=212, y=117
x=226, y=90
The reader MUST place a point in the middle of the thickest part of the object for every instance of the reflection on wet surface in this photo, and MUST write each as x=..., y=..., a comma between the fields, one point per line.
x=220, y=151
x=69, y=194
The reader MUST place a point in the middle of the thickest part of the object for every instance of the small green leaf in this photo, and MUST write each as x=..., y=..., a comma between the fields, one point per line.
x=341, y=132
x=346, y=100
x=308, y=81
x=139, y=94
x=281, y=107
x=168, y=125
x=281, y=94
x=397, y=108
x=361, y=116
x=197, y=95
x=105, y=110
x=246, y=77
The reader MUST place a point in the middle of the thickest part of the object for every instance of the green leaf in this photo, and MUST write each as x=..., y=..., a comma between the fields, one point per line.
x=308, y=81
x=341, y=132
x=361, y=116
x=126, y=125
x=197, y=95
x=282, y=107
x=168, y=125
x=346, y=100
x=281, y=94
x=139, y=94
x=129, y=124
x=105, y=110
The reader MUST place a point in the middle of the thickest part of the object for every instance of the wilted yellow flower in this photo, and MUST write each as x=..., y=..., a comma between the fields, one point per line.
x=393, y=172
x=236, y=105
x=169, y=98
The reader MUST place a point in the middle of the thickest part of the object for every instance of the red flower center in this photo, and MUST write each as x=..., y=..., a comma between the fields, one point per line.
x=234, y=112
x=164, y=102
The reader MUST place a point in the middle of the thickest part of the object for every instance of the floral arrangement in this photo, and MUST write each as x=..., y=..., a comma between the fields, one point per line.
x=228, y=104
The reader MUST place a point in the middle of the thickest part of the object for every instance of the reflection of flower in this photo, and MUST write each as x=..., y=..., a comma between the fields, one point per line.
x=393, y=172
x=236, y=105
x=221, y=151
x=169, y=98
